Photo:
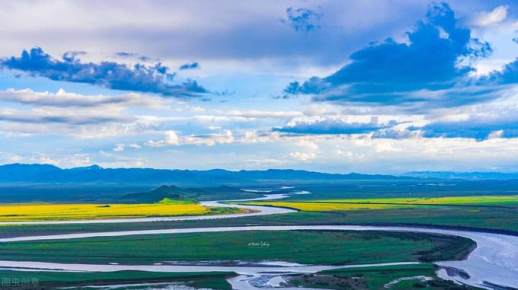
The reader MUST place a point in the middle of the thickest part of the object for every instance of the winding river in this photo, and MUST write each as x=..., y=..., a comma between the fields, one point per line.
x=493, y=264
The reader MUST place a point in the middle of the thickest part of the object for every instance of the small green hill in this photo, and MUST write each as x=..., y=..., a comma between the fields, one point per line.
x=163, y=194
x=172, y=192
x=167, y=200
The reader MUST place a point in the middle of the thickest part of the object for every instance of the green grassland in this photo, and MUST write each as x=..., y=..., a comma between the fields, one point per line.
x=477, y=212
x=381, y=277
x=307, y=247
x=377, y=277
x=475, y=217
x=510, y=201
x=481, y=200
x=46, y=280
x=484, y=212
x=351, y=278
x=361, y=189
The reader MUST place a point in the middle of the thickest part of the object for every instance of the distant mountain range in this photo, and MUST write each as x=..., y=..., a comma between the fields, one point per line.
x=45, y=174
x=48, y=183
x=464, y=175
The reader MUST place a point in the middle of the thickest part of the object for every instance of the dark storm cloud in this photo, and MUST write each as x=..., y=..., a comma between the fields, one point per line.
x=394, y=73
x=156, y=79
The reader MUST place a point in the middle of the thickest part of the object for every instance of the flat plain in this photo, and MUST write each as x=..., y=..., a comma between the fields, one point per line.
x=305, y=247
x=392, y=203
x=487, y=213
x=20, y=212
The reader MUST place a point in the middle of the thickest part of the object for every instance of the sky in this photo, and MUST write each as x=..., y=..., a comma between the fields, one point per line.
x=367, y=86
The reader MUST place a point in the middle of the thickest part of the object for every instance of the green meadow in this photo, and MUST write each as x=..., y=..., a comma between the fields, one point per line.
x=349, y=204
x=384, y=277
x=306, y=247
x=47, y=280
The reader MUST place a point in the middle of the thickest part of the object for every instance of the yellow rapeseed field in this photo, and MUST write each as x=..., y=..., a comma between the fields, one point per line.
x=454, y=200
x=44, y=212
x=388, y=203
x=328, y=206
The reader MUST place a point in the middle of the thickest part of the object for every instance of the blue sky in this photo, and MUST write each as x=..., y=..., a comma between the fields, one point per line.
x=335, y=86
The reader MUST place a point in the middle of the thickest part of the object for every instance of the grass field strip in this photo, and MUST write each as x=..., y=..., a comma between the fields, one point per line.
x=495, y=260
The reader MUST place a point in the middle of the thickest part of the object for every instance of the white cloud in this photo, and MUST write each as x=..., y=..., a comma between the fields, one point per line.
x=303, y=156
x=93, y=123
x=308, y=149
x=66, y=99
x=27, y=112
x=253, y=114
x=210, y=140
x=62, y=160
x=171, y=138
x=119, y=147
x=122, y=147
x=496, y=134
x=252, y=136
x=6, y=158
x=495, y=16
